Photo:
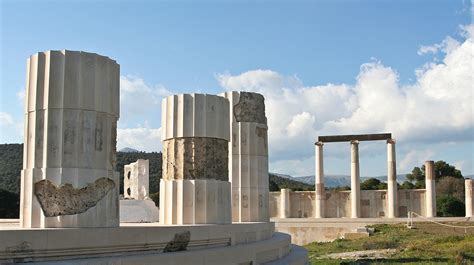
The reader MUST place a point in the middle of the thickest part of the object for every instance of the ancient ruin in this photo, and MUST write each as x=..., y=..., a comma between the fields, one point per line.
x=137, y=207
x=69, y=177
x=72, y=108
x=248, y=157
x=195, y=187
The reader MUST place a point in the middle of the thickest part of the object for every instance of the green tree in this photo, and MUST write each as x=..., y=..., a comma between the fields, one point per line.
x=441, y=170
x=448, y=205
x=407, y=185
x=373, y=184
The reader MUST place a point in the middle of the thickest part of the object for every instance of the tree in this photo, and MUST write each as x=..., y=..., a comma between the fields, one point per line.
x=441, y=170
x=447, y=205
x=407, y=185
x=373, y=184
x=451, y=186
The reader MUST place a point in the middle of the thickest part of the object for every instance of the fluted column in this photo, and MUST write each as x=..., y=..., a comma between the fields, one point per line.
x=72, y=107
x=355, y=180
x=195, y=187
x=285, y=204
x=469, y=192
x=430, y=195
x=319, y=182
x=392, y=202
x=248, y=157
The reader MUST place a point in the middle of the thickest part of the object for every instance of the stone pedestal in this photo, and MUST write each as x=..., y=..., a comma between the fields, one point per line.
x=138, y=211
x=136, y=180
x=195, y=133
x=72, y=107
x=248, y=157
x=320, y=201
x=469, y=193
x=285, y=211
x=355, y=180
x=430, y=196
x=392, y=202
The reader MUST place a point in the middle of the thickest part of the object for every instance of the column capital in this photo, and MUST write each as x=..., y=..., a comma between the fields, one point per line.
x=354, y=142
x=391, y=141
x=319, y=143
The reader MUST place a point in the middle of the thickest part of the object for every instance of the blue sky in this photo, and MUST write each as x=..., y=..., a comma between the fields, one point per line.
x=324, y=67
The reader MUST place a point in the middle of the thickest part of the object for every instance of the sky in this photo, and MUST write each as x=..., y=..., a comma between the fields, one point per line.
x=324, y=67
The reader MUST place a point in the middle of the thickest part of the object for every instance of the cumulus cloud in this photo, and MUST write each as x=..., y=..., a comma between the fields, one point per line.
x=413, y=159
x=5, y=119
x=139, y=100
x=140, y=103
x=142, y=139
x=438, y=106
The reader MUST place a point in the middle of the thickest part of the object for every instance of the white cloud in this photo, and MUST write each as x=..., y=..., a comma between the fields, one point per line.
x=5, y=119
x=142, y=139
x=437, y=107
x=446, y=46
x=415, y=158
x=139, y=100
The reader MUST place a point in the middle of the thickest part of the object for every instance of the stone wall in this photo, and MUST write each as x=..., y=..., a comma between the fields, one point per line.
x=338, y=204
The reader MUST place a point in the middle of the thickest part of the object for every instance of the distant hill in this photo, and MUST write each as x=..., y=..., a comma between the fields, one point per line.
x=332, y=181
x=11, y=162
x=128, y=150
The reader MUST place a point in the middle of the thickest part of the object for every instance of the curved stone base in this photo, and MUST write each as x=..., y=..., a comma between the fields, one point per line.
x=239, y=243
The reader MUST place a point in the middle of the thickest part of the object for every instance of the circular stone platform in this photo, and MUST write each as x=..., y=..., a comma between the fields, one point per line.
x=238, y=243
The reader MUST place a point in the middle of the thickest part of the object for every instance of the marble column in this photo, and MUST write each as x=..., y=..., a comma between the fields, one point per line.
x=392, y=201
x=285, y=210
x=319, y=182
x=430, y=194
x=469, y=192
x=195, y=187
x=69, y=158
x=355, y=180
x=248, y=157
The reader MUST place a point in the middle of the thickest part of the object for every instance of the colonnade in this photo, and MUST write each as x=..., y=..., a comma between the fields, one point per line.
x=355, y=180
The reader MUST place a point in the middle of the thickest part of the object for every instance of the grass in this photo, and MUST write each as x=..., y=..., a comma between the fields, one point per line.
x=427, y=243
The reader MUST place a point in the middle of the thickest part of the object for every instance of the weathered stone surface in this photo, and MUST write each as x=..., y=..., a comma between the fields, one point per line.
x=195, y=158
x=179, y=243
x=67, y=200
x=250, y=108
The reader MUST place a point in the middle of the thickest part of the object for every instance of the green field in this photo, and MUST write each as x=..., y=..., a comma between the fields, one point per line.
x=427, y=243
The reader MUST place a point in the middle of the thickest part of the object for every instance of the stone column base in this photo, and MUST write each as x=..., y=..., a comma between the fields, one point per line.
x=195, y=202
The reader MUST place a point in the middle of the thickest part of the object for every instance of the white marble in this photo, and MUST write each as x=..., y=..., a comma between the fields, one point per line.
x=320, y=201
x=194, y=115
x=248, y=161
x=71, y=113
x=469, y=193
x=392, y=200
x=285, y=203
x=194, y=202
x=136, y=180
x=355, y=180
x=138, y=211
x=430, y=186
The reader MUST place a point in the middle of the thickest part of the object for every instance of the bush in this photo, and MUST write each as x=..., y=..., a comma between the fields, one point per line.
x=448, y=205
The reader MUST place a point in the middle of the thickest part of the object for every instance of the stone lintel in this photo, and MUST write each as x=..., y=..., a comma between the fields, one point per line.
x=355, y=137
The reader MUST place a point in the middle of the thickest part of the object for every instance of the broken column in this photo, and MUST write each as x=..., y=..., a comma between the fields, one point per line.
x=72, y=107
x=248, y=157
x=137, y=207
x=469, y=185
x=355, y=181
x=430, y=195
x=285, y=210
x=195, y=187
x=136, y=180
x=392, y=203
x=319, y=188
